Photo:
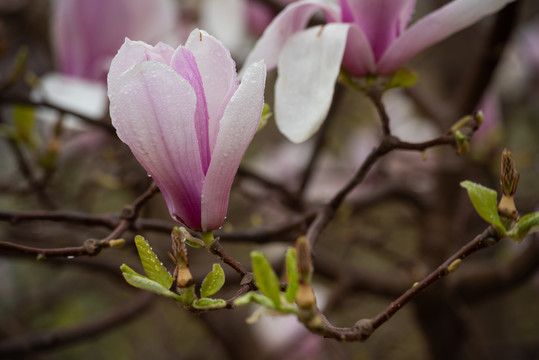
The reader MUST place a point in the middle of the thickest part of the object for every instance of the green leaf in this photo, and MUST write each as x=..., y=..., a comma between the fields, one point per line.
x=193, y=244
x=266, y=114
x=528, y=224
x=151, y=264
x=265, y=278
x=207, y=303
x=253, y=297
x=142, y=282
x=213, y=281
x=484, y=202
x=402, y=78
x=24, y=121
x=293, y=275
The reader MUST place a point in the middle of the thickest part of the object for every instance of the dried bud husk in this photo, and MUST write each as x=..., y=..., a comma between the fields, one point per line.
x=179, y=248
x=305, y=264
x=509, y=181
x=509, y=174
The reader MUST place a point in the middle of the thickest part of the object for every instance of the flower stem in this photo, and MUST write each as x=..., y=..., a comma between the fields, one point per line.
x=207, y=237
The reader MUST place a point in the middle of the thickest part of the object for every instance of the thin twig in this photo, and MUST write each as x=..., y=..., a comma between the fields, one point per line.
x=289, y=198
x=91, y=247
x=29, y=175
x=321, y=138
x=54, y=339
x=481, y=74
x=376, y=97
x=386, y=145
x=13, y=99
x=364, y=328
x=217, y=249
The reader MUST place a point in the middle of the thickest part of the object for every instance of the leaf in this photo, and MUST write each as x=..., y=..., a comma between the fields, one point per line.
x=266, y=114
x=402, y=78
x=265, y=278
x=24, y=121
x=528, y=224
x=144, y=283
x=213, y=281
x=293, y=275
x=151, y=264
x=253, y=297
x=484, y=202
x=193, y=244
x=207, y=303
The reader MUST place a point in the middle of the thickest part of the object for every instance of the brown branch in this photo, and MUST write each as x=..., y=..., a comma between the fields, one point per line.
x=16, y=217
x=290, y=199
x=285, y=232
x=364, y=328
x=481, y=74
x=28, y=174
x=386, y=145
x=91, y=247
x=490, y=279
x=12, y=99
x=376, y=97
x=56, y=338
x=321, y=138
x=217, y=249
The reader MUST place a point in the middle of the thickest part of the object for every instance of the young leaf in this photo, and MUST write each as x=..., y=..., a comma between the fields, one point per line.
x=213, y=281
x=484, y=202
x=266, y=114
x=293, y=276
x=24, y=120
x=207, y=303
x=151, y=264
x=142, y=282
x=265, y=278
x=255, y=298
x=403, y=78
x=528, y=224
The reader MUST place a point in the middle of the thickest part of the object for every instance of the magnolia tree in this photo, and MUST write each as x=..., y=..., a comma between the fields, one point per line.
x=351, y=221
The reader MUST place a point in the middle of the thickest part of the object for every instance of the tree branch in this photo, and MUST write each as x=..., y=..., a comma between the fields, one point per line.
x=63, y=337
x=364, y=328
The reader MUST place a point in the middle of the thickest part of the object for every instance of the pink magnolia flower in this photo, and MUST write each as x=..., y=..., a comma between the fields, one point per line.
x=365, y=36
x=187, y=120
x=87, y=33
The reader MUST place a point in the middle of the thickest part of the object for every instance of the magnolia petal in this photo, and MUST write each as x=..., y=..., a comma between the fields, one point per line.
x=308, y=68
x=237, y=128
x=184, y=63
x=358, y=57
x=134, y=52
x=292, y=19
x=380, y=20
x=83, y=48
x=152, y=109
x=435, y=27
x=218, y=72
x=87, y=34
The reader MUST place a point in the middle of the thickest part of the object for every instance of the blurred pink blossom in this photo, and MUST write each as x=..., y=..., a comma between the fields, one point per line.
x=88, y=33
x=365, y=36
